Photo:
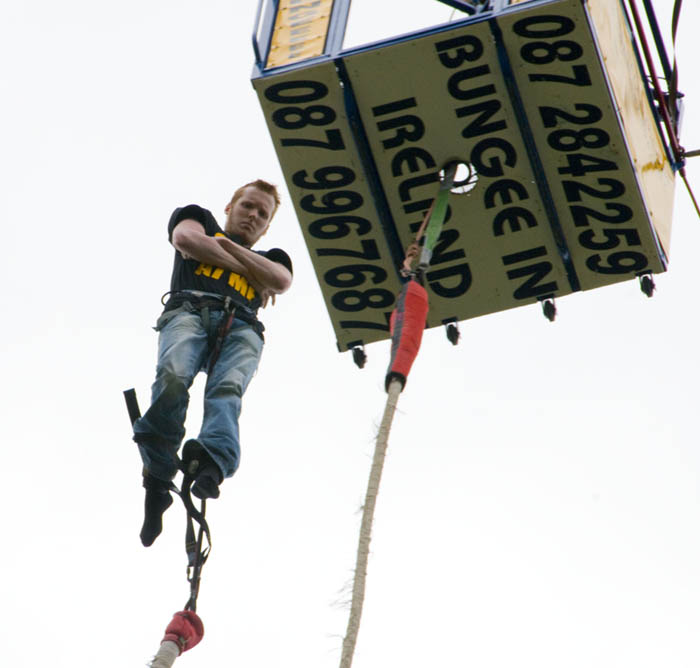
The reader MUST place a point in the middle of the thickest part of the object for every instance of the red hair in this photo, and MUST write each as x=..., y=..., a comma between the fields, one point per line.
x=265, y=187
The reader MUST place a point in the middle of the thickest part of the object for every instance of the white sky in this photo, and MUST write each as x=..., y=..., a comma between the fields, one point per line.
x=540, y=503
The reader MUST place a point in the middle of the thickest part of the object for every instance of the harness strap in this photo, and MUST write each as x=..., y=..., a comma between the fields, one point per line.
x=205, y=302
x=205, y=315
x=196, y=554
x=222, y=331
x=431, y=226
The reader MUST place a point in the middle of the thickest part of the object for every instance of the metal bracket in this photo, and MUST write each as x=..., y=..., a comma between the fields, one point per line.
x=359, y=356
x=549, y=308
x=647, y=285
x=452, y=333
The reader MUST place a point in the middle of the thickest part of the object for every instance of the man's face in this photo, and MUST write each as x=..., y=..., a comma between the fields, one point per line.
x=249, y=216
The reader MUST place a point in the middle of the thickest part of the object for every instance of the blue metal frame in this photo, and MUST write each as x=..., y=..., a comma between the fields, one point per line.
x=336, y=28
x=266, y=31
x=337, y=31
x=256, y=26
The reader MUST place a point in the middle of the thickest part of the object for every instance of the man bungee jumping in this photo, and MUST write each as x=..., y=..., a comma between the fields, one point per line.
x=209, y=324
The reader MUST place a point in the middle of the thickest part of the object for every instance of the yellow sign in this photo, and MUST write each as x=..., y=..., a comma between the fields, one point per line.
x=325, y=175
x=582, y=148
x=300, y=31
x=562, y=188
x=497, y=249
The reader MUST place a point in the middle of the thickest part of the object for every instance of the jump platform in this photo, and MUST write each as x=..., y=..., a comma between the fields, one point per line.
x=567, y=179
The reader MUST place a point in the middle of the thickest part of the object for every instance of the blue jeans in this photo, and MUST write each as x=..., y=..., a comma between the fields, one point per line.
x=183, y=351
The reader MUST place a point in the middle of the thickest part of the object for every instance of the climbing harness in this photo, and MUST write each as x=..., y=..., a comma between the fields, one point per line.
x=186, y=629
x=206, y=302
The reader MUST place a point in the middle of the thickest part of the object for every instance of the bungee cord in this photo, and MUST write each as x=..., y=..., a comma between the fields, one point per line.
x=375, y=476
x=407, y=325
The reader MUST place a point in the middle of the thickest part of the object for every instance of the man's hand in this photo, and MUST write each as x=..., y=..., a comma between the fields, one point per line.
x=266, y=295
x=412, y=252
x=193, y=243
x=266, y=275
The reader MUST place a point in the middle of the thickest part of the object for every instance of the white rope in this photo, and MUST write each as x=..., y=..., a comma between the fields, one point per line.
x=358, y=587
x=165, y=658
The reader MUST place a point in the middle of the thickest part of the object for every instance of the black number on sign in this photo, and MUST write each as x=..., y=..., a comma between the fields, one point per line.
x=351, y=201
x=591, y=115
x=621, y=262
x=612, y=235
x=287, y=92
x=315, y=114
x=581, y=214
x=575, y=140
x=581, y=77
x=337, y=227
x=363, y=324
x=325, y=178
x=369, y=251
x=356, y=274
x=334, y=141
x=355, y=300
x=573, y=190
x=524, y=27
x=543, y=53
x=581, y=164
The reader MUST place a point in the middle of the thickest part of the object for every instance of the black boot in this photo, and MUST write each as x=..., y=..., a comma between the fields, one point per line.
x=207, y=475
x=158, y=500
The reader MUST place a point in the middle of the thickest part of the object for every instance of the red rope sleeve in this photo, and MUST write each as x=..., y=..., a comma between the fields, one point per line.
x=407, y=325
x=185, y=629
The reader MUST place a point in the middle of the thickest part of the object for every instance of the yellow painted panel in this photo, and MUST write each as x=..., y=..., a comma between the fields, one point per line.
x=307, y=121
x=562, y=198
x=300, y=31
x=440, y=98
x=655, y=174
x=577, y=133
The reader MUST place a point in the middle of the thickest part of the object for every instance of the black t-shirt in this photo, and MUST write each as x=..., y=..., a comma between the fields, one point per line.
x=195, y=275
